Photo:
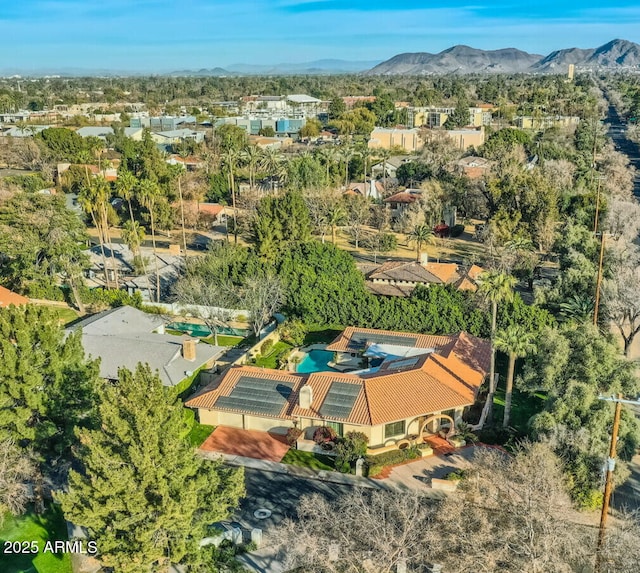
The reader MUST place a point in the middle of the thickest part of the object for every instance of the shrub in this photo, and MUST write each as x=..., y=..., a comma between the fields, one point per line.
x=391, y=458
x=457, y=230
x=349, y=449
x=292, y=436
x=293, y=332
x=324, y=434
x=266, y=346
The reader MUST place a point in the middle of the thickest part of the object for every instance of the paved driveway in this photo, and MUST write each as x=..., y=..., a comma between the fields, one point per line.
x=246, y=443
x=418, y=474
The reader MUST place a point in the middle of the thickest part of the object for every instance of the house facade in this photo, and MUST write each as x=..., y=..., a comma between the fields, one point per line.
x=394, y=387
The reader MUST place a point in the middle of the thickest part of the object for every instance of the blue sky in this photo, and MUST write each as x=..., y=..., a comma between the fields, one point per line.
x=165, y=35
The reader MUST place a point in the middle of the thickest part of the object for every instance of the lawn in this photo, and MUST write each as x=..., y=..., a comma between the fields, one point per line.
x=308, y=460
x=224, y=340
x=271, y=359
x=65, y=314
x=41, y=528
x=523, y=407
x=199, y=433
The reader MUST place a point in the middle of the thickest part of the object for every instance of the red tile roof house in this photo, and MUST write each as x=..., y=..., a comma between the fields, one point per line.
x=421, y=381
x=399, y=278
x=7, y=298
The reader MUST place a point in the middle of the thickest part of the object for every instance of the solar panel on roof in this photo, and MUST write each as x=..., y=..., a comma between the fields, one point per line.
x=339, y=400
x=359, y=340
x=406, y=363
x=257, y=395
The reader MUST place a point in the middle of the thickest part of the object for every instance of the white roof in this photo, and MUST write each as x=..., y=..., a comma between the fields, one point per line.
x=303, y=98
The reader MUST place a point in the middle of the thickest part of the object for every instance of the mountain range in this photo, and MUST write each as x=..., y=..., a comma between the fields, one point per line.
x=460, y=59
x=617, y=54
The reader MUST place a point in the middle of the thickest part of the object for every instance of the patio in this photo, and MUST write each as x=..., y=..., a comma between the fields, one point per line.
x=246, y=443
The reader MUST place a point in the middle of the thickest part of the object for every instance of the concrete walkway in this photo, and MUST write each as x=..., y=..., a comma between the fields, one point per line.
x=297, y=471
x=414, y=475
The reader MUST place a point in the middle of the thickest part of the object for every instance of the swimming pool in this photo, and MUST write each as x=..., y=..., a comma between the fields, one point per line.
x=201, y=330
x=316, y=361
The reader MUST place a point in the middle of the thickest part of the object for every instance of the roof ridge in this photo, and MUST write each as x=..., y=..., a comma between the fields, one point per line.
x=438, y=360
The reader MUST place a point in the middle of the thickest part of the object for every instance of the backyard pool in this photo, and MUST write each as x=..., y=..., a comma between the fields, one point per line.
x=201, y=330
x=316, y=361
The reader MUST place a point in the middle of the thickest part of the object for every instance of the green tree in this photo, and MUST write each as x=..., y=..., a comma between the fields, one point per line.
x=38, y=236
x=311, y=128
x=516, y=342
x=148, y=194
x=336, y=108
x=460, y=116
x=46, y=384
x=421, y=235
x=495, y=287
x=143, y=493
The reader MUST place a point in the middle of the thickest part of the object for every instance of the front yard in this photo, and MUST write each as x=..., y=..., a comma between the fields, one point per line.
x=309, y=460
x=49, y=526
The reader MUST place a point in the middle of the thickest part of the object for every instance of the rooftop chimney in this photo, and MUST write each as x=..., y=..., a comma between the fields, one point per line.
x=424, y=259
x=305, y=397
x=189, y=349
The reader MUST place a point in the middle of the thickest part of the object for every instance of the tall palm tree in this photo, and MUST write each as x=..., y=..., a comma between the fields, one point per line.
x=148, y=194
x=366, y=155
x=517, y=342
x=251, y=155
x=347, y=153
x=230, y=159
x=495, y=287
x=421, y=235
x=94, y=200
x=272, y=163
x=385, y=155
x=125, y=187
x=336, y=215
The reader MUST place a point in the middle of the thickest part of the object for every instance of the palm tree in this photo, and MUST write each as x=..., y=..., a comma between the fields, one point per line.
x=272, y=163
x=495, y=287
x=94, y=200
x=385, y=155
x=148, y=194
x=421, y=235
x=251, y=155
x=578, y=308
x=336, y=214
x=125, y=186
x=517, y=342
x=346, y=154
x=230, y=159
x=366, y=154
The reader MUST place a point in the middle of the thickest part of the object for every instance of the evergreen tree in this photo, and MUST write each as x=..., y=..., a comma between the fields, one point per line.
x=45, y=381
x=142, y=493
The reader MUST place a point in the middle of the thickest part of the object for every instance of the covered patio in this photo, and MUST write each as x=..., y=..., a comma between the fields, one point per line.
x=246, y=443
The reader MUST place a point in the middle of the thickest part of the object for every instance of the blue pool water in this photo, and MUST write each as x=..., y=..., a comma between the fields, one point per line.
x=316, y=361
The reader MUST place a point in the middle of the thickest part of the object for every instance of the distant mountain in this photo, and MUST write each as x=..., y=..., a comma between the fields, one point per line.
x=316, y=67
x=460, y=60
x=219, y=72
x=465, y=60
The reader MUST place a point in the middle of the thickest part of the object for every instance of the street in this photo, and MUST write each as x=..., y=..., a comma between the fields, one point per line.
x=618, y=134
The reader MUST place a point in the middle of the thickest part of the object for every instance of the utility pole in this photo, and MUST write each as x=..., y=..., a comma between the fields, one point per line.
x=598, y=281
x=611, y=464
x=595, y=221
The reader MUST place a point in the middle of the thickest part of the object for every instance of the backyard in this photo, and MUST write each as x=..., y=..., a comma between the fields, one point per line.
x=49, y=526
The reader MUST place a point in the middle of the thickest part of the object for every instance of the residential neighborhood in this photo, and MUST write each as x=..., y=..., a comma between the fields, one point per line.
x=370, y=313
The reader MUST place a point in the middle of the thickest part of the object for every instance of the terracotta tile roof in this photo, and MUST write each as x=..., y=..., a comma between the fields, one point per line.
x=415, y=272
x=402, y=197
x=448, y=378
x=213, y=209
x=341, y=343
x=446, y=272
x=8, y=298
x=208, y=400
x=320, y=383
x=386, y=289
